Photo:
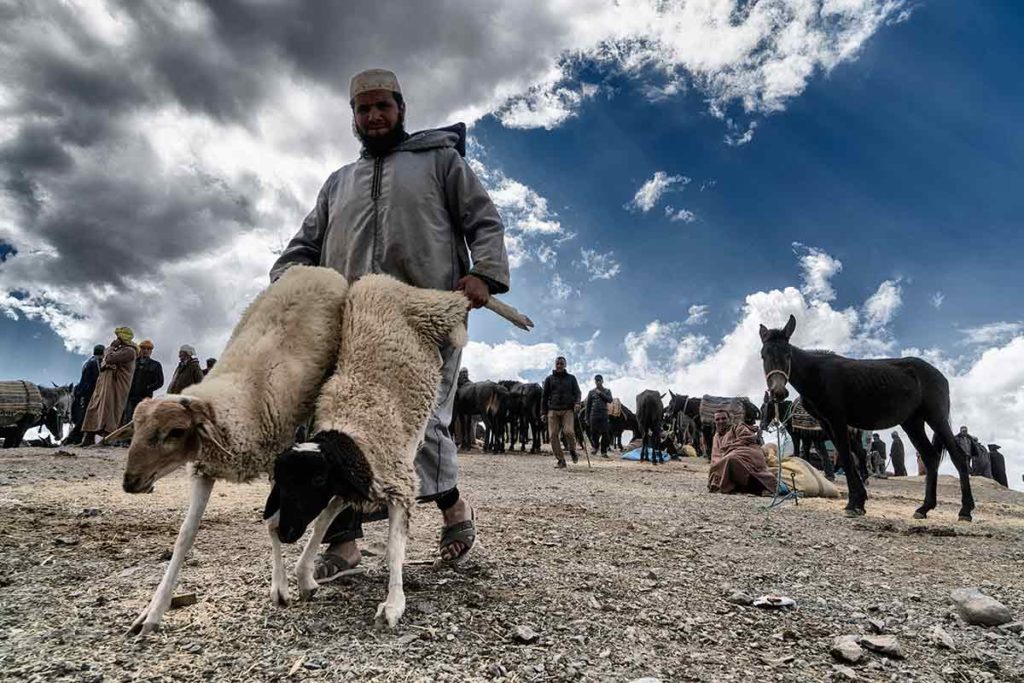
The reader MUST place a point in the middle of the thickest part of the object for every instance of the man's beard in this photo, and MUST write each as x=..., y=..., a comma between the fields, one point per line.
x=379, y=145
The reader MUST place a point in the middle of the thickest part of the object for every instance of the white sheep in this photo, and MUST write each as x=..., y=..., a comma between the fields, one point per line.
x=245, y=412
x=370, y=421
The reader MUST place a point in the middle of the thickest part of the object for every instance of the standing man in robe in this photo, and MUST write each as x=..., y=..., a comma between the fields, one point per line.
x=410, y=206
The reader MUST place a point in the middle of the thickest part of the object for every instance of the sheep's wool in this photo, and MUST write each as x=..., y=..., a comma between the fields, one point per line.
x=388, y=376
x=266, y=381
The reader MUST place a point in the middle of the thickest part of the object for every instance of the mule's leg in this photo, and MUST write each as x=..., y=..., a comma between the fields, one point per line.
x=944, y=435
x=304, y=567
x=930, y=457
x=149, y=619
x=392, y=609
x=856, y=494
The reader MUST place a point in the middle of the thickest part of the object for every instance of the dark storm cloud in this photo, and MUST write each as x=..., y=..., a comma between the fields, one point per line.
x=78, y=166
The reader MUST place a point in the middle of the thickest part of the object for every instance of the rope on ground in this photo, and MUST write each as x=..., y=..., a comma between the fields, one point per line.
x=792, y=493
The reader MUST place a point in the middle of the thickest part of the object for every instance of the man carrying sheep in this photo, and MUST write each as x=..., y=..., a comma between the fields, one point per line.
x=410, y=207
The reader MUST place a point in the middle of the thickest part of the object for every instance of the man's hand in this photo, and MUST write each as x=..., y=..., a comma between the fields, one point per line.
x=475, y=290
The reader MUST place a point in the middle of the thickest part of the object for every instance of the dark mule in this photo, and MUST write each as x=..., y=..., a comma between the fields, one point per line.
x=620, y=423
x=870, y=395
x=529, y=418
x=683, y=412
x=489, y=400
x=649, y=412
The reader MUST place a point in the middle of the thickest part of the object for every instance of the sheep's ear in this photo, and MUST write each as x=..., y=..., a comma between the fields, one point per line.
x=206, y=436
x=273, y=504
x=764, y=334
x=125, y=432
x=198, y=410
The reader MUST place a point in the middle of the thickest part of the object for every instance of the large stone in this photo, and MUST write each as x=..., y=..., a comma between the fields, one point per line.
x=886, y=645
x=979, y=609
x=938, y=635
x=740, y=598
x=525, y=634
x=846, y=649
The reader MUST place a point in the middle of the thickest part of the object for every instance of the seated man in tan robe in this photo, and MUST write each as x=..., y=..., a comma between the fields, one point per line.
x=722, y=423
x=742, y=467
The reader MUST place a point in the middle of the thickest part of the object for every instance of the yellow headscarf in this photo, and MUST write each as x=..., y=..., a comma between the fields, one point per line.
x=125, y=334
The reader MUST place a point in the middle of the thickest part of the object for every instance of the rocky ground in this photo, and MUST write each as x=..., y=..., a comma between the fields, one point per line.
x=613, y=573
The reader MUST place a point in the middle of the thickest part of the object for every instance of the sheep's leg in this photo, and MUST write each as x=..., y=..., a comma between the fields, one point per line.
x=278, y=579
x=149, y=619
x=304, y=567
x=391, y=610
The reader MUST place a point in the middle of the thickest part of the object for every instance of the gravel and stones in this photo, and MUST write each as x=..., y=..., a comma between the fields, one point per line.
x=622, y=572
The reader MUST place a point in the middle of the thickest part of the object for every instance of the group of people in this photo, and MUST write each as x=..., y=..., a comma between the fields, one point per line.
x=560, y=401
x=117, y=377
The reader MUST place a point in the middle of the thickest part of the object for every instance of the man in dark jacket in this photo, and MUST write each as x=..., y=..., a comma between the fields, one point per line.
x=977, y=455
x=83, y=393
x=559, y=398
x=188, y=371
x=896, y=454
x=595, y=412
x=148, y=377
x=411, y=207
x=998, y=464
x=877, y=456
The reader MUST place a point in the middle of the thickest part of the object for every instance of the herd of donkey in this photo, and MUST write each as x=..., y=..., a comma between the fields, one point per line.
x=837, y=394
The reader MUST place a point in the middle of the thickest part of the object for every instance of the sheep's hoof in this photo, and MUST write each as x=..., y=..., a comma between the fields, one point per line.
x=965, y=518
x=854, y=512
x=307, y=593
x=141, y=628
x=389, y=613
x=279, y=597
x=920, y=515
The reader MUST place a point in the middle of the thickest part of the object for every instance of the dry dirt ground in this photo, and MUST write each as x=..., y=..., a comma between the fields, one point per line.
x=621, y=570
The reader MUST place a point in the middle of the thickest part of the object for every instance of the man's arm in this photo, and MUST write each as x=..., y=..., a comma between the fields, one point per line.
x=544, y=395
x=606, y=394
x=575, y=389
x=304, y=248
x=478, y=220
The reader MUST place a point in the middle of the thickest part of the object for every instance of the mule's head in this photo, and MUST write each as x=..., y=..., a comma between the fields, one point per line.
x=777, y=358
x=166, y=433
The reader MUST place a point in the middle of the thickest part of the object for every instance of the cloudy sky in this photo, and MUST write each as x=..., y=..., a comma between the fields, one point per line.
x=671, y=174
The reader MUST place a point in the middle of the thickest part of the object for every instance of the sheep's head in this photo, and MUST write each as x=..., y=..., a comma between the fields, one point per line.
x=301, y=490
x=308, y=475
x=166, y=433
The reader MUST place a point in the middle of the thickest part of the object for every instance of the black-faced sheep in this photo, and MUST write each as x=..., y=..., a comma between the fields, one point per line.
x=233, y=424
x=370, y=420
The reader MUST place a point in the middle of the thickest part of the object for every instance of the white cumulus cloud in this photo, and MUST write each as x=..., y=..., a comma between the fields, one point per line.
x=697, y=314
x=684, y=215
x=818, y=270
x=599, y=266
x=881, y=307
x=647, y=197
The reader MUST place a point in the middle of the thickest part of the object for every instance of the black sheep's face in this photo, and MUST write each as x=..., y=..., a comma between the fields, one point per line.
x=302, y=486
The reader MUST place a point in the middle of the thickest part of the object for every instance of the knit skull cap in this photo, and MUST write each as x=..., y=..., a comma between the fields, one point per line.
x=373, y=79
x=190, y=350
